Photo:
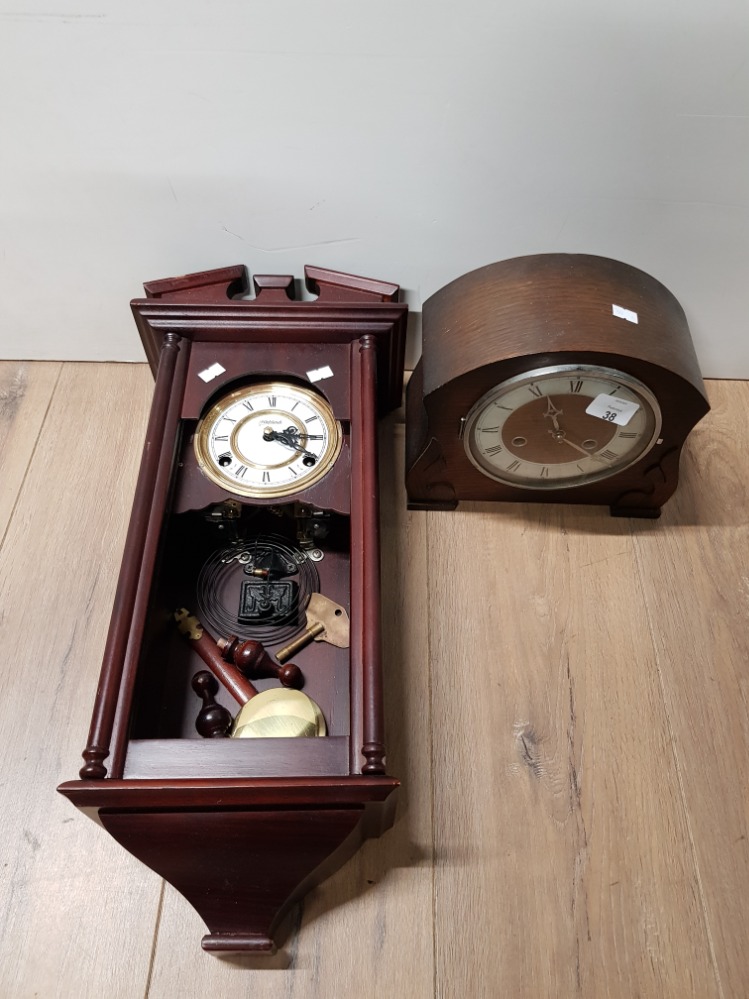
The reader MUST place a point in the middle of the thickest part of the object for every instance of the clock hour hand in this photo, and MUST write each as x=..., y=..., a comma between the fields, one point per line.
x=294, y=438
x=553, y=412
x=288, y=440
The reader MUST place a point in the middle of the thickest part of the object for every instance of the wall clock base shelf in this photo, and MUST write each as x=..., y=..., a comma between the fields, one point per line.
x=241, y=852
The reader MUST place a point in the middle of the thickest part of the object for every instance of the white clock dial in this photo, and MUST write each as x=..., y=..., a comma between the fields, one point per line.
x=561, y=426
x=268, y=440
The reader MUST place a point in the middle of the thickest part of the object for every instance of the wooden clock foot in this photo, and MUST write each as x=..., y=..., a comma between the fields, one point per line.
x=641, y=512
x=436, y=505
x=238, y=943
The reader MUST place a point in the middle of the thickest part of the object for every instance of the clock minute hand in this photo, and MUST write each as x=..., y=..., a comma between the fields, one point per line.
x=287, y=441
x=560, y=439
x=294, y=433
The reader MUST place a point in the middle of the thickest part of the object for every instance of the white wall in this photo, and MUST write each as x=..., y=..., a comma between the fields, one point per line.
x=408, y=141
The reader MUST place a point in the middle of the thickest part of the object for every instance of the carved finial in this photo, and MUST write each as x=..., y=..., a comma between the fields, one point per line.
x=214, y=720
x=253, y=661
x=94, y=768
x=374, y=754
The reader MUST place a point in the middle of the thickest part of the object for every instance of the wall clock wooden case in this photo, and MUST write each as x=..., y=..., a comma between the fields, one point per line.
x=559, y=378
x=256, y=502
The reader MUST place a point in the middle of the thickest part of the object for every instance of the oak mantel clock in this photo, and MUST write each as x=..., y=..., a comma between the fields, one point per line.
x=253, y=540
x=556, y=378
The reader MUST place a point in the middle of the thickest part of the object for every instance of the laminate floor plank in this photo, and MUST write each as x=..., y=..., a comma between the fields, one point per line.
x=566, y=705
x=76, y=913
x=25, y=392
x=367, y=931
x=695, y=577
x=562, y=849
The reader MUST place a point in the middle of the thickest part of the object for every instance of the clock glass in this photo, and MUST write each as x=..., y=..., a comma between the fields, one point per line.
x=268, y=440
x=560, y=426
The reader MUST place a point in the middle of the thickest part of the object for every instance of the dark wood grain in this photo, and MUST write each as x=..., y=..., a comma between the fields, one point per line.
x=240, y=869
x=169, y=759
x=346, y=304
x=146, y=549
x=242, y=853
x=532, y=312
x=210, y=286
x=212, y=792
x=373, y=729
x=102, y=722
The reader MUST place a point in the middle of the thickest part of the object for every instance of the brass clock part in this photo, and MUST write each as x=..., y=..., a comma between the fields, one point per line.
x=561, y=426
x=268, y=440
x=279, y=713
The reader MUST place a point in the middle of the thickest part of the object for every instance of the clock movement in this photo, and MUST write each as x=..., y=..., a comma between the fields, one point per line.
x=552, y=378
x=241, y=777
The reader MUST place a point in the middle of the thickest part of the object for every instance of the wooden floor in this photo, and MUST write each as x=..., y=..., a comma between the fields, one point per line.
x=566, y=706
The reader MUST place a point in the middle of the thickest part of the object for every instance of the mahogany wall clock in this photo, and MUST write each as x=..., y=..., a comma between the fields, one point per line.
x=552, y=378
x=255, y=516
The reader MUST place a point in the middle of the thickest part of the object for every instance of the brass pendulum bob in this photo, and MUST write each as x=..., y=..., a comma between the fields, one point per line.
x=276, y=713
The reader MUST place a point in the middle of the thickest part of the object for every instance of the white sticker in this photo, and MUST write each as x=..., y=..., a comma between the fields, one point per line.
x=319, y=373
x=613, y=410
x=622, y=313
x=210, y=373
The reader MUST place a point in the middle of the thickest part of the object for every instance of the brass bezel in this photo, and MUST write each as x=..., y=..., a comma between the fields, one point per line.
x=647, y=398
x=216, y=474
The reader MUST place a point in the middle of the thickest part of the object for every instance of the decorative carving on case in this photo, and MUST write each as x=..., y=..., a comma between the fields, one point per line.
x=512, y=397
x=251, y=394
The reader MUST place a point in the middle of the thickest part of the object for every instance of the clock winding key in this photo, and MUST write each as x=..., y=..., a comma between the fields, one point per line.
x=327, y=621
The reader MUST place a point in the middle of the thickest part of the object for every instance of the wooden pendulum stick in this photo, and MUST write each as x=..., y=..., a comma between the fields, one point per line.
x=276, y=713
x=253, y=661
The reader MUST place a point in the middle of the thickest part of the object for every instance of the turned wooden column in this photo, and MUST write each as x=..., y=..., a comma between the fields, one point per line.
x=149, y=546
x=369, y=733
x=102, y=721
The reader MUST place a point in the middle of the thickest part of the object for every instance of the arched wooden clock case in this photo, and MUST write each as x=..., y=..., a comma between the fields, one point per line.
x=243, y=827
x=560, y=327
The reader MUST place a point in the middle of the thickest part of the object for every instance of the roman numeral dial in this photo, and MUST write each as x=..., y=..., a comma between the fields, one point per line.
x=270, y=439
x=561, y=426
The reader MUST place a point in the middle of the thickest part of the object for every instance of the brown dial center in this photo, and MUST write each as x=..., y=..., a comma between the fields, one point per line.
x=532, y=434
